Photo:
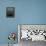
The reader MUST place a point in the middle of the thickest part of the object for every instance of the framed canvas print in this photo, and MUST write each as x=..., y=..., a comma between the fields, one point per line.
x=10, y=11
x=32, y=32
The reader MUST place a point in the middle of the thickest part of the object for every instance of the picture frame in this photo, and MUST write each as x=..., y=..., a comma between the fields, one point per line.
x=10, y=12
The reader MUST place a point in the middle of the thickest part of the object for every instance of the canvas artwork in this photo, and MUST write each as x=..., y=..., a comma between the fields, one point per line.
x=33, y=32
x=10, y=12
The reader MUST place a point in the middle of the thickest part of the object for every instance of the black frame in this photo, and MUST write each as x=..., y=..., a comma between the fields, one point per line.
x=10, y=12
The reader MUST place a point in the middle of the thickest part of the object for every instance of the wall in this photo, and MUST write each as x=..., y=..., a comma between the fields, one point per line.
x=27, y=12
x=7, y=25
x=31, y=11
